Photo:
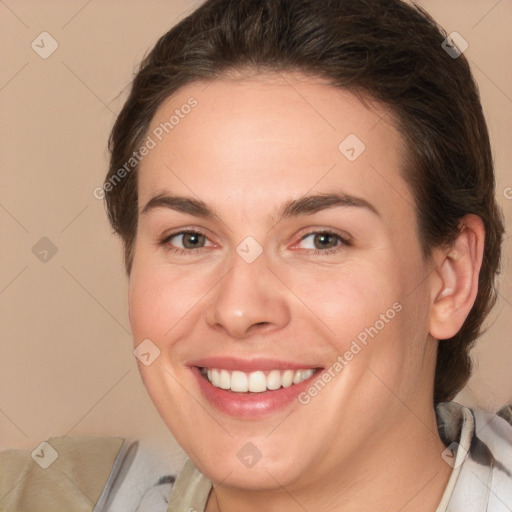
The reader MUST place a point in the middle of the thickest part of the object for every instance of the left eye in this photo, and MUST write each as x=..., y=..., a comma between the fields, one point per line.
x=323, y=240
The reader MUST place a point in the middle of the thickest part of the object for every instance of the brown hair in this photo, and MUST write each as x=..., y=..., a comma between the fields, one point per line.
x=384, y=49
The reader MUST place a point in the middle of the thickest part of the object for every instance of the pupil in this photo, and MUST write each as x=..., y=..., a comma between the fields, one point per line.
x=193, y=236
x=324, y=236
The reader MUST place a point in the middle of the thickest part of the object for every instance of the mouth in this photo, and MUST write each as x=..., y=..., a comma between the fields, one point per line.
x=259, y=381
x=252, y=389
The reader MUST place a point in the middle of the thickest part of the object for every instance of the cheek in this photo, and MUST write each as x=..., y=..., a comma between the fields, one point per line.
x=153, y=313
x=167, y=303
x=374, y=320
x=158, y=299
x=347, y=299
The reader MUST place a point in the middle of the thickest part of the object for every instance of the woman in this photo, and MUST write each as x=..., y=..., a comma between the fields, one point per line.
x=307, y=207
x=305, y=193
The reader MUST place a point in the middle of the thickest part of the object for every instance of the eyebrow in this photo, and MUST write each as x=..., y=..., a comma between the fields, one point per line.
x=306, y=205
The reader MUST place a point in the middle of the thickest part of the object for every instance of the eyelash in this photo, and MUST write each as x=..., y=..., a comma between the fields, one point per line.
x=188, y=252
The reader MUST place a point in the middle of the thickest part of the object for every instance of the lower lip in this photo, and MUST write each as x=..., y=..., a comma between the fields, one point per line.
x=250, y=405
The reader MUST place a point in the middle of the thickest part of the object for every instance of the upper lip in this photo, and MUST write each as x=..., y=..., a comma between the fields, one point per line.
x=249, y=365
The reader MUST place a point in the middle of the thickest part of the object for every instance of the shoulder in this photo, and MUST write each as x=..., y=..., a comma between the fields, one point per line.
x=61, y=471
x=506, y=413
x=188, y=490
x=156, y=498
x=482, y=441
x=144, y=481
x=491, y=444
x=111, y=474
x=451, y=417
x=490, y=433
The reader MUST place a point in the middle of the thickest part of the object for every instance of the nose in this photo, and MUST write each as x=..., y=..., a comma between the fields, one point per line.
x=248, y=299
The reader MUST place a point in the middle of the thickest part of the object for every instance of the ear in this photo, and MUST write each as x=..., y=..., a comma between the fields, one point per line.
x=454, y=280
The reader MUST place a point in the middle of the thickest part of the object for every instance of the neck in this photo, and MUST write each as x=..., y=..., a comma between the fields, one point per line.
x=399, y=469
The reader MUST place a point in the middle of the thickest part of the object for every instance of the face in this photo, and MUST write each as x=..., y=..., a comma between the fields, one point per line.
x=310, y=315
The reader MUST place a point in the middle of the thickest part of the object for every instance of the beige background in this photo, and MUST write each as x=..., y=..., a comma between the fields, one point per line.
x=66, y=362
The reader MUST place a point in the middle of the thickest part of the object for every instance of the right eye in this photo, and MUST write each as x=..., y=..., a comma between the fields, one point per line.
x=191, y=238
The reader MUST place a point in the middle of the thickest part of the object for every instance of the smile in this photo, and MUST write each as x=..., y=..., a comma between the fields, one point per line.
x=251, y=389
x=257, y=381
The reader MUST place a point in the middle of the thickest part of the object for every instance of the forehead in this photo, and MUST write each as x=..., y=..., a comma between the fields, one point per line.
x=269, y=135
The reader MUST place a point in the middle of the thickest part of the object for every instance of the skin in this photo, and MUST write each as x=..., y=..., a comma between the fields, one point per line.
x=368, y=441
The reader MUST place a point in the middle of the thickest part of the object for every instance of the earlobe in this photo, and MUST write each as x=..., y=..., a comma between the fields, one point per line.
x=454, y=282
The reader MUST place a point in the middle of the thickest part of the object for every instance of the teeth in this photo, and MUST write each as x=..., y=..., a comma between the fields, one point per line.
x=239, y=382
x=288, y=378
x=215, y=378
x=274, y=380
x=225, y=380
x=255, y=382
